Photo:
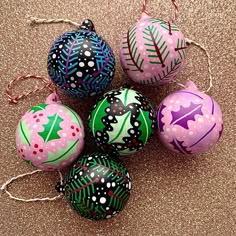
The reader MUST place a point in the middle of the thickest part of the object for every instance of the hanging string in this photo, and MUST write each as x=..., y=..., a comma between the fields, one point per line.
x=145, y=3
x=176, y=11
x=178, y=83
x=189, y=41
x=35, y=20
x=47, y=84
x=4, y=188
x=144, y=10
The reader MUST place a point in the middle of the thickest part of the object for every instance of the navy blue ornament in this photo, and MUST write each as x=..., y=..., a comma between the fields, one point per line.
x=80, y=62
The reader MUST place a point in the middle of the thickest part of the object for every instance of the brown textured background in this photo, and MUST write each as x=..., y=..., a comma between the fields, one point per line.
x=172, y=194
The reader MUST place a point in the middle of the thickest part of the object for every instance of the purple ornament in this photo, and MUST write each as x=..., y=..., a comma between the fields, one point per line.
x=189, y=121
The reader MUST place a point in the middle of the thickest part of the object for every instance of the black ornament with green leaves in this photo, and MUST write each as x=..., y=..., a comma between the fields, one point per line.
x=97, y=186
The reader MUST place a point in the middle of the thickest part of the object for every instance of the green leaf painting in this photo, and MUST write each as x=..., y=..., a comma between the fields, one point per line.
x=120, y=129
x=24, y=133
x=167, y=73
x=97, y=114
x=101, y=164
x=97, y=185
x=128, y=96
x=29, y=162
x=146, y=125
x=156, y=46
x=129, y=45
x=51, y=128
x=165, y=25
x=180, y=48
x=39, y=107
x=85, y=185
x=117, y=198
x=56, y=158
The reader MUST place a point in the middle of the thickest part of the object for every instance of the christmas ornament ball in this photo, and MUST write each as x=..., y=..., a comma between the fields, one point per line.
x=122, y=121
x=97, y=186
x=152, y=51
x=80, y=62
x=50, y=136
x=189, y=121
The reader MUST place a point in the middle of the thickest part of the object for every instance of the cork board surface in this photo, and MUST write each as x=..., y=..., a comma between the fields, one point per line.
x=172, y=194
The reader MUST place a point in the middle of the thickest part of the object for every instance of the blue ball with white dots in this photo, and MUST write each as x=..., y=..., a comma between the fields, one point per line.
x=81, y=63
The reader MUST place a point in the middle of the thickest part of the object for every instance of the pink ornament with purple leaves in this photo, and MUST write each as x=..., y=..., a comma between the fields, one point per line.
x=152, y=51
x=50, y=136
x=189, y=121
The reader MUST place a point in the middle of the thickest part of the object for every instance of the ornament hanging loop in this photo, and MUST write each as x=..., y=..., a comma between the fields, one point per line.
x=47, y=84
x=5, y=185
x=145, y=3
x=176, y=11
x=35, y=20
x=144, y=10
x=189, y=42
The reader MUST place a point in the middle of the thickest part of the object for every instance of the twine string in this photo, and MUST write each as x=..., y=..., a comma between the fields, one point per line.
x=176, y=11
x=144, y=10
x=14, y=99
x=4, y=188
x=189, y=41
x=145, y=3
x=35, y=20
x=178, y=83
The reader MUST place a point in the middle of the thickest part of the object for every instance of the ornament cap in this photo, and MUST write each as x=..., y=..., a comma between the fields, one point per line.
x=191, y=85
x=87, y=25
x=145, y=16
x=53, y=98
x=60, y=187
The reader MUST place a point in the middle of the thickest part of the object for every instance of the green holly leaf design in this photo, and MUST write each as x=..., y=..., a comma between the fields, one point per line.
x=30, y=163
x=146, y=126
x=95, y=122
x=128, y=96
x=56, y=158
x=75, y=117
x=24, y=133
x=39, y=107
x=120, y=129
x=51, y=128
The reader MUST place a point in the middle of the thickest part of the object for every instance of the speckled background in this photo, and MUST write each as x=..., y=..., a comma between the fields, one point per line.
x=172, y=194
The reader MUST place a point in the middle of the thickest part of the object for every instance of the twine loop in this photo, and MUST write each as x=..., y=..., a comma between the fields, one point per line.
x=35, y=20
x=144, y=9
x=14, y=99
x=189, y=41
x=4, y=188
